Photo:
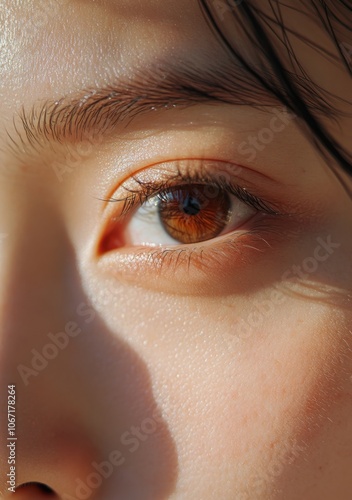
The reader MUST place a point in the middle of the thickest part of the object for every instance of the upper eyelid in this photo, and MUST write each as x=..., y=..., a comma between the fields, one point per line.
x=231, y=168
x=147, y=189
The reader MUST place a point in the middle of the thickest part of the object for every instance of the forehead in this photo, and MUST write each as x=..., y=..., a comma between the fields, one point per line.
x=51, y=48
x=75, y=43
x=70, y=44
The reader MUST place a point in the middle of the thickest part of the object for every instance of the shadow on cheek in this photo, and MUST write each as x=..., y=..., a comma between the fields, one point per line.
x=142, y=451
x=88, y=424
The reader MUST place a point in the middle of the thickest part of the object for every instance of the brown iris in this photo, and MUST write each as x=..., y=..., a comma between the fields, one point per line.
x=194, y=213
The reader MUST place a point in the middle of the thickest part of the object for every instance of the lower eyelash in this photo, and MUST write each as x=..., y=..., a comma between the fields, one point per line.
x=200, y=269
x=205, y=257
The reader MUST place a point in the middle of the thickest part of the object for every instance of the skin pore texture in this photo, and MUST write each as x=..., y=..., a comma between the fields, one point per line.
x=220, y=371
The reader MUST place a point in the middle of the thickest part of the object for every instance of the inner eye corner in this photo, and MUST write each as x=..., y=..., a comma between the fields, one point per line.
x=109, y=239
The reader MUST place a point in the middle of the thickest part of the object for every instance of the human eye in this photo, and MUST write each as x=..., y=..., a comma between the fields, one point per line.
x=186, y=214
x=187, y=217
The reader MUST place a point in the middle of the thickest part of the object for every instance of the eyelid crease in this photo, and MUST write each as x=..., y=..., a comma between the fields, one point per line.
x=149, y=189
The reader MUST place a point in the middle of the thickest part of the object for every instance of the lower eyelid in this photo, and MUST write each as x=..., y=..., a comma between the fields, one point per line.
x=193, y=269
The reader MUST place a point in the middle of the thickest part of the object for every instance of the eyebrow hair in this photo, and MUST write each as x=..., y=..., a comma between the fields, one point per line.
x=79, y=116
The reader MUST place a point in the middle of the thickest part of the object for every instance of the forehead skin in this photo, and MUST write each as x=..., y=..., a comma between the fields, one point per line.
x=85, y=43
x=53, y=48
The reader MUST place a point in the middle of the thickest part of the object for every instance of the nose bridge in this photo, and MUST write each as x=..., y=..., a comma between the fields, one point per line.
x=37, y=301
x=34, y=294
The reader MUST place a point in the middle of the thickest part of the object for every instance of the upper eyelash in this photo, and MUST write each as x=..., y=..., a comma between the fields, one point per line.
x=150, y=190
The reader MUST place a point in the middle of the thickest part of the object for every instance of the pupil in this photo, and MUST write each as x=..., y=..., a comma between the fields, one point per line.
x=191, y=206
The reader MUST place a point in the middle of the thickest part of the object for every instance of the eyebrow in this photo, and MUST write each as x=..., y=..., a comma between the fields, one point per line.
x=95, y=112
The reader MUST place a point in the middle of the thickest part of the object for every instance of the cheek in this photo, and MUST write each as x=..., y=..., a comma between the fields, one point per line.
x=251, y=408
